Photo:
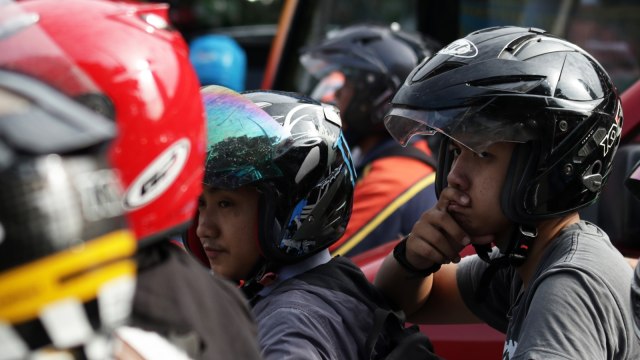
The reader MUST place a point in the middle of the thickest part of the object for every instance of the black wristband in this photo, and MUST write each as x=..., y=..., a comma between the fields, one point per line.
x=400, y=254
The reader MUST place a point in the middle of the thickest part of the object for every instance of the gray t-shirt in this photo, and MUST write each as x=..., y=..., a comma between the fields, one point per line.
x=577, y=306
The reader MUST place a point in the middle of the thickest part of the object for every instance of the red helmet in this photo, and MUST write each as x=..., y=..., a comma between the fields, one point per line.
x=141, y=65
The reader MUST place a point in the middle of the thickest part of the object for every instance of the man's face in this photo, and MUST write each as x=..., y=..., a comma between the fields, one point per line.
x=227, y=228
x=481, y=178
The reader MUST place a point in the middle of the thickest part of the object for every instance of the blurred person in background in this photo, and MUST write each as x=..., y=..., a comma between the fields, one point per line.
x=139, y=77
x=365, y=65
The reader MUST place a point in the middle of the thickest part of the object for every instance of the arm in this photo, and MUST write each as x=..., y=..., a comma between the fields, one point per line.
x=435, y=239
x=432, y=300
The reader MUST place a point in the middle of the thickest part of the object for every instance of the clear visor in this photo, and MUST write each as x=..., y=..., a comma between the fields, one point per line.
x=318, y=67
x=469, y=126
x=243, y=140
x=321, y=63
x=325, y=90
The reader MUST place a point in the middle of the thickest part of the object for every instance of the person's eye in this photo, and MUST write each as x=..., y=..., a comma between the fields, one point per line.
x=455, y=151
x=201, y=203
x=484, y=154
x=224, y=204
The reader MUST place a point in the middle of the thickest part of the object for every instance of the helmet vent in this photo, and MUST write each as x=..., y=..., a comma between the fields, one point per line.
x=443, y=68
x=515, y=46
x=516, y=84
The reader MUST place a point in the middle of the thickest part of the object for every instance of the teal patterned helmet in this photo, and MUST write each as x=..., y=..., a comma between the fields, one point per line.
x=291, y=148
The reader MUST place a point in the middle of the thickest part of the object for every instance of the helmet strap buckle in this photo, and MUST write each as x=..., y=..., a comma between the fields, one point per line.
x=525, y=235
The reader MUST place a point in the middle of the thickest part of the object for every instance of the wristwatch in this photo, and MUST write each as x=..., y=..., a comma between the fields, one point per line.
x=400, y=254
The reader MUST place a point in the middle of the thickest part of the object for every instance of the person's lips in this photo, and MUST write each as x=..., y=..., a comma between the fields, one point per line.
x=458, y=213
x=213, y=252
x=455, y=207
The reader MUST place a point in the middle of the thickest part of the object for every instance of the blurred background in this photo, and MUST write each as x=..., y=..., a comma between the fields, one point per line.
x=608, y=29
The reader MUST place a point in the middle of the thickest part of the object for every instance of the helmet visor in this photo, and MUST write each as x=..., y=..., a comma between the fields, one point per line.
x=473, y=127
x=243, y=140
x=321, y=61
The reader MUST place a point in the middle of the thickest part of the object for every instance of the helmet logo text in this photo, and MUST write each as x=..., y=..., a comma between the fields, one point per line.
x=100, y=194
x=609, y=141
x=159, y=175
x=460, y=48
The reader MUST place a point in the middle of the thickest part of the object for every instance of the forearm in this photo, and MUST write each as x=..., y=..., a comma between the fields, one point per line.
x=423, y=300
x=406, y=292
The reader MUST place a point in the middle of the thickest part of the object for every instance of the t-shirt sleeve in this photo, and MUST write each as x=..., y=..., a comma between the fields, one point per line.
x=570, y=316
x=295, y=333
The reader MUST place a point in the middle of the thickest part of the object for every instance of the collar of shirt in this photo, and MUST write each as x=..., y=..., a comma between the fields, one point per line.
x=289, y=271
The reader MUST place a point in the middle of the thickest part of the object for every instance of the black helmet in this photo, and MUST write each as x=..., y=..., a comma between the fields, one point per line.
x=292, y=149
x=376, y=59
x=525, y=86
x=66, y=256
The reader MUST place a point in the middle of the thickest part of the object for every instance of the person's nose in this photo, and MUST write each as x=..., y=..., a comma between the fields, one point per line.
x=207, y=225
x=458, y=176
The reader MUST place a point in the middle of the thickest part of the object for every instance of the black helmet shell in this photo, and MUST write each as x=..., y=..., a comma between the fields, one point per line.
x=376, y=59
x=291, y=148
x=524, y=86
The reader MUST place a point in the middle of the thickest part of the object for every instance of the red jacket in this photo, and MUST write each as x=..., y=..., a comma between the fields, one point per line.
x=390, y=195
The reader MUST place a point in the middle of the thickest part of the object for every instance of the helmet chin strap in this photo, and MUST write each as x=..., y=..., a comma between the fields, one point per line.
x=516, y=254
x=263, y=274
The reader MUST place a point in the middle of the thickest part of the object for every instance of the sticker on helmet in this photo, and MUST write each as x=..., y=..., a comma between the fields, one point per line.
x=611, y=139
x=99, y=194
x=460, y=48
x=158, y=176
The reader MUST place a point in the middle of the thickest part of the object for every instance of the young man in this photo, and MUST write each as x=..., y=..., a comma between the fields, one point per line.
x=138, y=76
x=278, y=192
x=532, y=123
x=395, y=184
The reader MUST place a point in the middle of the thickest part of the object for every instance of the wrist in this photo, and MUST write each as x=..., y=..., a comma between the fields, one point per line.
x=400, y=254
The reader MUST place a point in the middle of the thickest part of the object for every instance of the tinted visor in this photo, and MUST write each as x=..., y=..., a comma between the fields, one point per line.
x=473, y=127
x=243, y=140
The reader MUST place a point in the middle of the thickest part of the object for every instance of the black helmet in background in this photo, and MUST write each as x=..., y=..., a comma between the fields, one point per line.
x=524, y=86
x=292, y=149
x=375, y=60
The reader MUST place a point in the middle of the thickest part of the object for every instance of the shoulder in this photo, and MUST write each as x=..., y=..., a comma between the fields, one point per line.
x=585, y=249
x=304, y=321
x=296, y=298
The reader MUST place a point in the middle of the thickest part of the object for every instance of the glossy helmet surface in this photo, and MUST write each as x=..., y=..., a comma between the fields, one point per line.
x=292, y=150
x=67, y=274
x=219, y=60
x=376, y=59
x=524, y=86
x=147, y=85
